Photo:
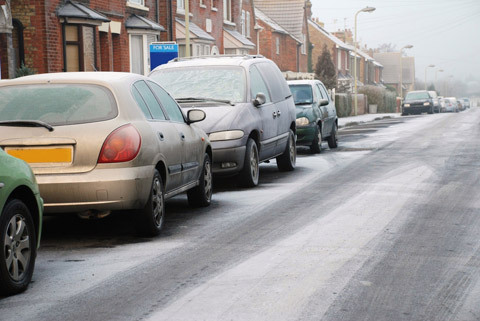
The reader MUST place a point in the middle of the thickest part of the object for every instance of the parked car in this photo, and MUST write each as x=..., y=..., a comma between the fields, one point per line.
x=460, y=105
x=250, y=110
x=441, y=101
x=316, y=114
x=106, y=141
x=466, y=102
x=451, y=104
x=436, y=104
x=417, y=102
x=21, y=209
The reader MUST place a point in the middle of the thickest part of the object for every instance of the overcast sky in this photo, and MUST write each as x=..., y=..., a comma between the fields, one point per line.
x=445, y=33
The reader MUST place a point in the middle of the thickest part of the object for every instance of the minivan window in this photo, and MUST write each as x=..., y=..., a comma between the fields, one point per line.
x=219, y=82
x=257, y=84
x=57, y=104
x=274, y=79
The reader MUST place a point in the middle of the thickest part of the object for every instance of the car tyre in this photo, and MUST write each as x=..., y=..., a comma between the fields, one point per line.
x=251, y=170
x=18, y=247
x=286, y=161
x=151, y=218
x=316, y=146
x=332, y=140
x=201, y=195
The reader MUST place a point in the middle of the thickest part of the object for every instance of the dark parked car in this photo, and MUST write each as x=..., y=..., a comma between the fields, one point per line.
x=250, y=110
x=417, y=102
x=316, y=114
x=21, y=209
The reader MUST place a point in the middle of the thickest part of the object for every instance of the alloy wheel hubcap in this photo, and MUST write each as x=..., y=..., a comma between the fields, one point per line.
x=254, y=163
x=157, y=200
x=208, y=180
x=17, y=247
x=293, y=150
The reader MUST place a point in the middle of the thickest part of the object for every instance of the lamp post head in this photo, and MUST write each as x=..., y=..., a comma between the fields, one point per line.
x=408, y=47
x=440, y=70
x=430, y=66
x=368, y=9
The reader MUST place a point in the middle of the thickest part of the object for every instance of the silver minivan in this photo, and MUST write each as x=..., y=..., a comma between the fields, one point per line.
x=249, y=106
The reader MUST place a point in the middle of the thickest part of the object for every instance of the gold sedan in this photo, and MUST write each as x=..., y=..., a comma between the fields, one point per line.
x=106, y=141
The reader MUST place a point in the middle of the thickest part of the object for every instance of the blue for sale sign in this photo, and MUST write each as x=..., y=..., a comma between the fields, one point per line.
x=162, y=52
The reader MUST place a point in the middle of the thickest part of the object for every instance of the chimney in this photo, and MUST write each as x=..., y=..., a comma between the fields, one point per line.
x=308, y=9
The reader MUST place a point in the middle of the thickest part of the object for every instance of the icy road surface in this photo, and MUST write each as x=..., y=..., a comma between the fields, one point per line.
x=386, y=227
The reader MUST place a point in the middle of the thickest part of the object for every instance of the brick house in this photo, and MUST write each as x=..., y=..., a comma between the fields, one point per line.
x=216, y=27
x=339, y=51
x=391, y=70
x=59, y=35
x=291, y=17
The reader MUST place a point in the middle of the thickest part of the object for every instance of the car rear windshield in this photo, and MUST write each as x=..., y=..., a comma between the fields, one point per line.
x=417, y=95
x=57, y=104
x=218, y=82
x=302, y=94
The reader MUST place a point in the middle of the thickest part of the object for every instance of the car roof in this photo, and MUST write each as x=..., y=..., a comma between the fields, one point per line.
x=100, y=78
x=303, y=82
x=221, y=60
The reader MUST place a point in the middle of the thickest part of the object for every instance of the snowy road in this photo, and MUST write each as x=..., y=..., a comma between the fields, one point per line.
x=386, y=227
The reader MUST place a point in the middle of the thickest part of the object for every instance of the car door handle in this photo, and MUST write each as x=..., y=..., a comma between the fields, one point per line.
x=182, y=136
x=279, y=113
x=160, y=136
x=274, y=114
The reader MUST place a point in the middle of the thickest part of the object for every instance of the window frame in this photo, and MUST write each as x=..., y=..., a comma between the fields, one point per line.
x=80, y=45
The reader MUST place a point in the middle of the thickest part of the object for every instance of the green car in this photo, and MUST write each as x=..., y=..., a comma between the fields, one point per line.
x=21, y=210
x=316, y=114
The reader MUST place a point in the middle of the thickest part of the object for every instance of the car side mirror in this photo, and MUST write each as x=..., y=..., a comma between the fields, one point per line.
x=323, y=102
x=259, y=100
x=195, y=115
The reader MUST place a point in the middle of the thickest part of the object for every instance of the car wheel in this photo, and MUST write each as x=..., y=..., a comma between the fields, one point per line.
x=250, y=172
x=316, y=146
x=332, y=140
x=201, y=195
x=286, y=161
x=152, y=215
x=18, y=247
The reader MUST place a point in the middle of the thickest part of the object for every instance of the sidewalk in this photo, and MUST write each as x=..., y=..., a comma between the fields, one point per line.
x=354, y=120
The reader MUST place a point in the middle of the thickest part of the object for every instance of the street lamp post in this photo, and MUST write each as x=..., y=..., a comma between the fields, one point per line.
x=429, y=66
x=366, y=9
x=436, y=72
x=401, y=69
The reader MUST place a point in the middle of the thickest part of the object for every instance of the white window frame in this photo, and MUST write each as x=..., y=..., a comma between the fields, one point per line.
x=181, y=5
x=227, y=10
x=277, y=45
x=248, y=24
x=243, y=23
x=304, y=52
x=339, y=59
x=146, y=56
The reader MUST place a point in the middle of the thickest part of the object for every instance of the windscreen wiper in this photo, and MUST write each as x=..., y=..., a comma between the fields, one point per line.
x=225, y=101
x=26, y=123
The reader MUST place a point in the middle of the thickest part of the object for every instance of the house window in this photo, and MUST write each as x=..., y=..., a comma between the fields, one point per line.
x=80, y=49
x=139, y=2
x=339, y=59
x=227, y=10
x=277, y=45
x=214, y=5
x=202, y=3
x=181, y=5
x=243, y=23
x=304, y=39
x=248, y=24
x=139, y=53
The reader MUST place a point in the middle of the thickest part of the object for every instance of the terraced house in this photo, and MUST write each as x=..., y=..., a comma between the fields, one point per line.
x=87, y=35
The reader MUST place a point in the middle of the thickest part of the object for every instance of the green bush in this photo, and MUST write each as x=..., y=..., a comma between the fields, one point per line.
x=343, y=104
x=384, y=99
x=24, y=71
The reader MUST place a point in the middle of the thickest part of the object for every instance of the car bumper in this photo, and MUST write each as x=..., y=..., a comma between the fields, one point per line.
x=100, y=189
x=228, y=161
x=305, y=134
x=417, y=110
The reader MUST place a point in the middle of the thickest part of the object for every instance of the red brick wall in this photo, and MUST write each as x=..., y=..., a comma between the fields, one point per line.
x=43, y=33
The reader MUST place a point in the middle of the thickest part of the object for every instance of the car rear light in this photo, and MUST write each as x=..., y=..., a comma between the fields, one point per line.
x=122, y=145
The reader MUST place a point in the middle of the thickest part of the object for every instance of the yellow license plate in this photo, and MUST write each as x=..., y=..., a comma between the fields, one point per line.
x=42, y=155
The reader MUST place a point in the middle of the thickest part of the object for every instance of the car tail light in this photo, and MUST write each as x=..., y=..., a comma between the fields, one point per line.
x=122, y=145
